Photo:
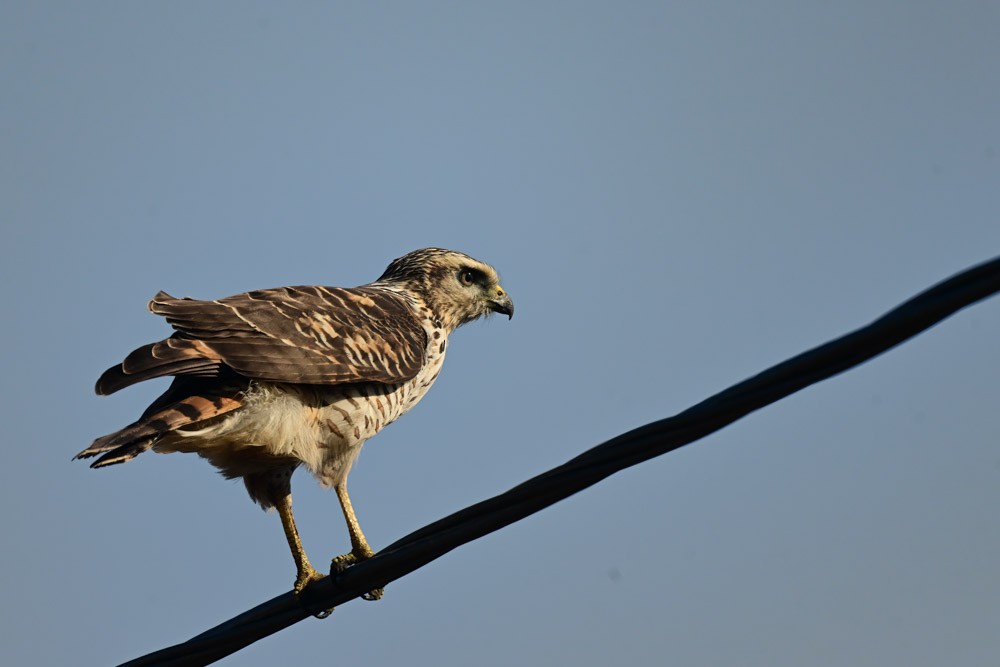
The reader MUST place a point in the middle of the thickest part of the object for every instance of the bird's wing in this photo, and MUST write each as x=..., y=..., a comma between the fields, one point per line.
x=303, y=335
x=308, y=335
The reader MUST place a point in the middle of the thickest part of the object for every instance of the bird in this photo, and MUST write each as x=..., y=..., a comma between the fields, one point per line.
x=270, y=380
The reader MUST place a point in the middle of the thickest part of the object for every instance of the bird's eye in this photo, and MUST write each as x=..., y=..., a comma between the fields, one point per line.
x=467, y=276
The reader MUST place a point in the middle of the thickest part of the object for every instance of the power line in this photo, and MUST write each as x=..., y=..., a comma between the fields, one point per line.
x=433, y=541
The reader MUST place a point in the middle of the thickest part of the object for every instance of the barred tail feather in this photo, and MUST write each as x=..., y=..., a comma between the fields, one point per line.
x=135, y=432
x=123, y=453
x=125, y=444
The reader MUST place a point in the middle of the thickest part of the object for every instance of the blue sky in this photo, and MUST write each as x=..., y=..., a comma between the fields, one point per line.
x=677, y=195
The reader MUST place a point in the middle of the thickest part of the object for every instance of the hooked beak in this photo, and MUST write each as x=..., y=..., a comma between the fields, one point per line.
x=501, y=303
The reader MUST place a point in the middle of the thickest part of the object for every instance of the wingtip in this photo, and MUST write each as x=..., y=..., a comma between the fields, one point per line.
x=109, y=381
x=85, y=454
x=157, y=300
x=106, y=461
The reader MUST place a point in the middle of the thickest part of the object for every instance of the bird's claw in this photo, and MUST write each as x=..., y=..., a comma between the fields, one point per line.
x=306, y=576
x=341, y=563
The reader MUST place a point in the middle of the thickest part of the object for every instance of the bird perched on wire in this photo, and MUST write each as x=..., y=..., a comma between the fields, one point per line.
x=269, y=380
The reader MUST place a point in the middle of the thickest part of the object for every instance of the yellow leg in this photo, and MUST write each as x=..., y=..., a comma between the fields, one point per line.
x=306, y=574
x=359, y=545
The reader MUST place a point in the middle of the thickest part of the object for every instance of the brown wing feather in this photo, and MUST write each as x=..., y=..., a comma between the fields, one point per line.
x=309, y=335
x=173, y=356
x=305, y=335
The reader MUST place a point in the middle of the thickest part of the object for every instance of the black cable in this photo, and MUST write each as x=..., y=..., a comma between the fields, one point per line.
x=629, y=449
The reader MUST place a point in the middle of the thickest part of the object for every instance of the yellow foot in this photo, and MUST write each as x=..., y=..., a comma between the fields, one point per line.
x=341, y=563
x=306, y=576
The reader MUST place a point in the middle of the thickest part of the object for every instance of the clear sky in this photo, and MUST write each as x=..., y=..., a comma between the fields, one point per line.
x=677, y=195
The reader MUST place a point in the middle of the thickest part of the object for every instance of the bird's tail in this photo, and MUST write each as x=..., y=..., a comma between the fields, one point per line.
x=178, y=407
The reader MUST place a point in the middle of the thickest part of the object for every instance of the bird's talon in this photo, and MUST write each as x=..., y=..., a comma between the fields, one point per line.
x=374, y=595
x=339, y=564
x=344, y=561
x=306, y=576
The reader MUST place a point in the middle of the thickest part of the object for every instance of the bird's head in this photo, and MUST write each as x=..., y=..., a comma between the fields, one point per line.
x=456, y=287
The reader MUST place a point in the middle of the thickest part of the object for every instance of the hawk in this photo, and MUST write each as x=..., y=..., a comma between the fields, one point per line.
x=269, y=380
